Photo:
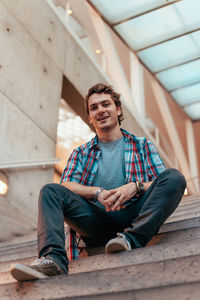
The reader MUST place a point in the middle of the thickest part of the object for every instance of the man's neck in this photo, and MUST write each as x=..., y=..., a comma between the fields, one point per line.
x=106, y=136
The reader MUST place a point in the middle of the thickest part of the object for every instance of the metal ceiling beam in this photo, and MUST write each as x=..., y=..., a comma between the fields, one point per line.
x=167, y=40
x=140, y=14
x=177, y=65
x=191, y=84
x=191, y=103
x=149, y=46
x=183, y=86
x=146, y=12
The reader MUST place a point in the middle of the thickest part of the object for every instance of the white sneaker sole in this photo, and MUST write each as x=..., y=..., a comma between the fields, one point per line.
x=113, y=247
x=24, y=273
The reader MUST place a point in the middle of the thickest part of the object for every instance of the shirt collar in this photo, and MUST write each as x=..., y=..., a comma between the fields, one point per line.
x=93, y=143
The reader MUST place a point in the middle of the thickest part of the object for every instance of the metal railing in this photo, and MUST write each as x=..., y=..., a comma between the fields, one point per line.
x=43, y=163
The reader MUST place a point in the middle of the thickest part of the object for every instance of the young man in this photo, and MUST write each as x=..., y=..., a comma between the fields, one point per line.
x=115, y=191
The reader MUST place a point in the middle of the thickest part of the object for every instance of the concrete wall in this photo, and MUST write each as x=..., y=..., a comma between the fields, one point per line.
x=30, y=89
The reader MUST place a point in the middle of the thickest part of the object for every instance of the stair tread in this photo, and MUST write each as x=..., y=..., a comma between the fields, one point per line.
x=177, y=291
x=149, y=254
x=145, y=275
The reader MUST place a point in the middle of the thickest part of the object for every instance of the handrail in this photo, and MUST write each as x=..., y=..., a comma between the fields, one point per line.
x=44, y=163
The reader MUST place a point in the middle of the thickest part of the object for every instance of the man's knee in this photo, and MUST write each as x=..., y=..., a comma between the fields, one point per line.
x=175, y=187
x=176, y=179
x=54, y=192
x=50, y=192
x=48, y=188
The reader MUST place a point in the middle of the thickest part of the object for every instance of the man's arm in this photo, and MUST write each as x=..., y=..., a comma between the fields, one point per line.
x=87, y=192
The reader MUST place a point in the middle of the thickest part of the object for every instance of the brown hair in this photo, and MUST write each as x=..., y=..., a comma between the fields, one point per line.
x=106, y=89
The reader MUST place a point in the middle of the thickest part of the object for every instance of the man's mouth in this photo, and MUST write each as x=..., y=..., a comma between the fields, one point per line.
x=102, y=118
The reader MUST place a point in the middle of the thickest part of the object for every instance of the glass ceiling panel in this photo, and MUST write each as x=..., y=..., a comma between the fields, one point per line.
x=151, y=28
x=170, y=53
x=117, y=10
x=189, y=12
x=187, y=95
x=177, y=77
x=161, y=24
x=196, y=38
x=193, y=111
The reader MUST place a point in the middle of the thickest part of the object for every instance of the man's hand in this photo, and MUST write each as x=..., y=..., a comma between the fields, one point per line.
x=105, y=194
x=113, y=199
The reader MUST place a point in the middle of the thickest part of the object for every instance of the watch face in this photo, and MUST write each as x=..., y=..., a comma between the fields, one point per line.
x=141, y=187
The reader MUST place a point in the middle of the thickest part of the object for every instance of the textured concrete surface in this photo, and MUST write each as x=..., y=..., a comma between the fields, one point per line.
x=180, y=291
x=134, y=277
x=99, y=262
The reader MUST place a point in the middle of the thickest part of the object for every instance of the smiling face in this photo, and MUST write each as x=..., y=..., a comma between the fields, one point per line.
x=103, y=113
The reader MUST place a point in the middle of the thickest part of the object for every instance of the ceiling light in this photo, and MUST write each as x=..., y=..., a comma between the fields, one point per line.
x=97, y=51
x=69, y=11
x=186, y=192
x=3, y=184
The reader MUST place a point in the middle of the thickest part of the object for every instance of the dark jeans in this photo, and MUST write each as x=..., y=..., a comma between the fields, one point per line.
x=140, y=220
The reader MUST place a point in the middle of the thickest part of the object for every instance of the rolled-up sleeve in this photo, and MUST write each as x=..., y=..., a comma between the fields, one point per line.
x=154, y=163
x=73, y=170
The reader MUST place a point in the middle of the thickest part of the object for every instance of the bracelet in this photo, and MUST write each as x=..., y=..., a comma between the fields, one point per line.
x=98, y=192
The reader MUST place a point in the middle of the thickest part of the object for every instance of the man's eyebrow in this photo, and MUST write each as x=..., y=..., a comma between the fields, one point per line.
x=103, y=101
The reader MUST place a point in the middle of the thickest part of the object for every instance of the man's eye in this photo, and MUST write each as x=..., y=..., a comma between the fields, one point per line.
x=106, y=104
x=93, y=108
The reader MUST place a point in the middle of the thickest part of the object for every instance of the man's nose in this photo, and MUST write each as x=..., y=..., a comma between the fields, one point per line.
x=101, y=109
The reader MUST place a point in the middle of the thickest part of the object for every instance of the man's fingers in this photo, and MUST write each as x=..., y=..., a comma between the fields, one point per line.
x=107, y=194
x=117, y=205
x=111, y=198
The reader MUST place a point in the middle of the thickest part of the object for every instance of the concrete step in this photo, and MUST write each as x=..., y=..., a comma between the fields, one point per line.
x=184, y=216
x=183, y=211
x=184, y=270
x=103, y=261
x=17, y=247
x=194, y=201
x=184, y=291
x=190, y=198
x=194, y=204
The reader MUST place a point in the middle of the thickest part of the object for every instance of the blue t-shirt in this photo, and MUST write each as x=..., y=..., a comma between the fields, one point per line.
x=111, y=165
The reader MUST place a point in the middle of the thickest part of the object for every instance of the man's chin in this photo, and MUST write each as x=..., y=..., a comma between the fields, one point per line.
x=104, y=126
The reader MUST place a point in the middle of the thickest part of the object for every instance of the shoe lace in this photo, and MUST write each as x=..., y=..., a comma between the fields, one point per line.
x=121, y=235
x=42, y=261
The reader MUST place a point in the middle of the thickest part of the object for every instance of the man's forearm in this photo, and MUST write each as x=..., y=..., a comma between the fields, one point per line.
x=87, y=192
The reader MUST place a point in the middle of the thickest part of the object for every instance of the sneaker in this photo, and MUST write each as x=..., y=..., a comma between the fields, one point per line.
x=39, y=269
x=118, y=244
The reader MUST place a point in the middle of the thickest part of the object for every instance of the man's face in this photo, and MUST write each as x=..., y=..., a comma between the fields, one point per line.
x=103, y=113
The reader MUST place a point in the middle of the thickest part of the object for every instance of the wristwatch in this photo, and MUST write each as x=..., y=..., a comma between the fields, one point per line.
x=98, y=192
x=140, y=188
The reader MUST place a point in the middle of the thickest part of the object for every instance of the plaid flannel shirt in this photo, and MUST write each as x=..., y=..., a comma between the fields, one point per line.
x=142, y=162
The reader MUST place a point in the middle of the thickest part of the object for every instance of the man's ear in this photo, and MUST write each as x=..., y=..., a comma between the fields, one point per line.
x=119, y=110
